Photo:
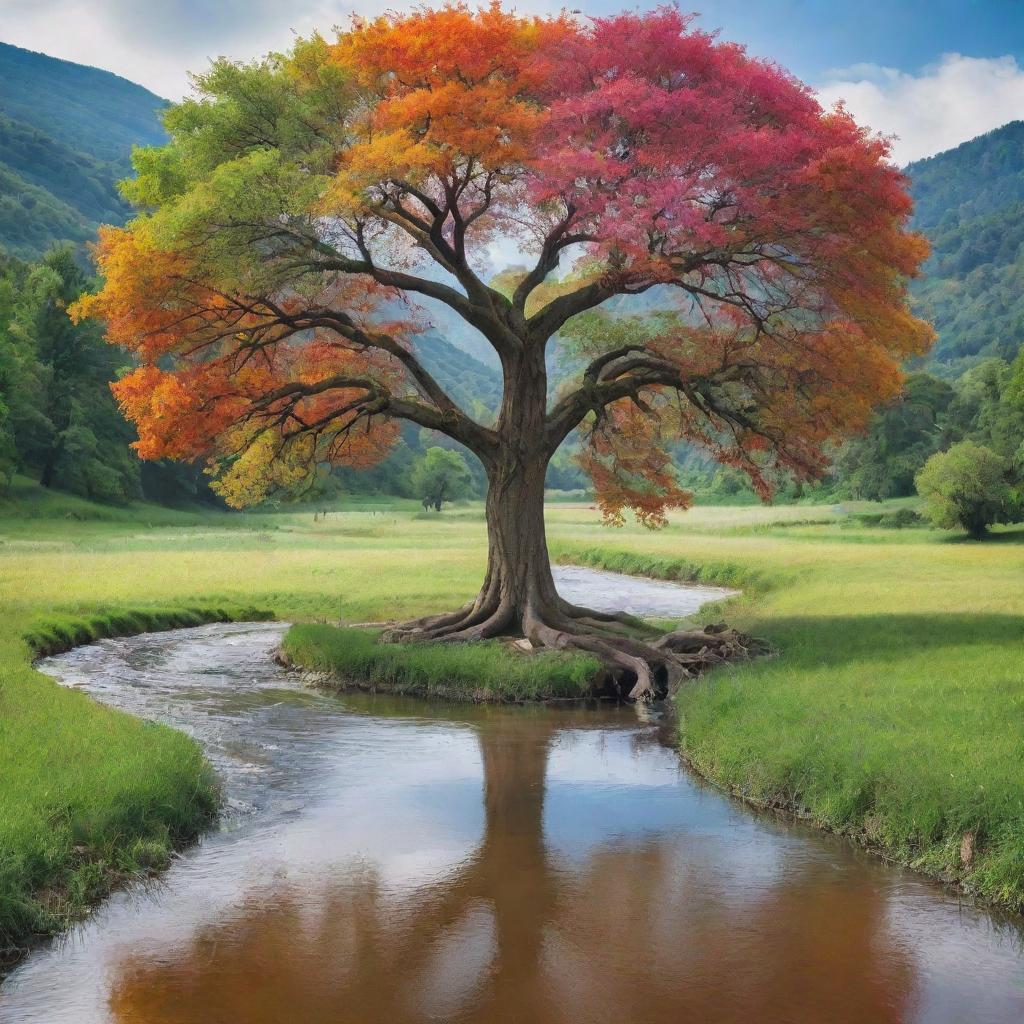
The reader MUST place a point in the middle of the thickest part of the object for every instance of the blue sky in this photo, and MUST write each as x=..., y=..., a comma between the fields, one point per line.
x=813, y=37
x=932, y=72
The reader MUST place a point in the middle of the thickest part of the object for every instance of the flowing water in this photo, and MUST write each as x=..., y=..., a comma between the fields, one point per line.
x=393, y=861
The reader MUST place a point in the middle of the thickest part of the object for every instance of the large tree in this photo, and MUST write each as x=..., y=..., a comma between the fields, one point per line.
x=311, y=207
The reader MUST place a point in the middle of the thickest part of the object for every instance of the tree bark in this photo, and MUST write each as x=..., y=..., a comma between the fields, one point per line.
x=518, y=596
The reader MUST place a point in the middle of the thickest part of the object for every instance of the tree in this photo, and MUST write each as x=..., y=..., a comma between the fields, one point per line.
x=965, y=486
x=57, y=418
x=439, y=476
x=902, y=435
x=309, y=206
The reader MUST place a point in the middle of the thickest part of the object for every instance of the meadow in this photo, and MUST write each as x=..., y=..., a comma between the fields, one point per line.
x=893, y=712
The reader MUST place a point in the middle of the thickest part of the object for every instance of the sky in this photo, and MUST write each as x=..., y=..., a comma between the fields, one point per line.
x=932, y=73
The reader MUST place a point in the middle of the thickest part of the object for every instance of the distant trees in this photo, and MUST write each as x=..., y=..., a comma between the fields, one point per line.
x=440, y=475
x=902, y=435
x=58, y=420
x=967, y=486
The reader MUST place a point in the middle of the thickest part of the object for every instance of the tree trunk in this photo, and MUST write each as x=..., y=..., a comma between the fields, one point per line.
x=518, y=575
x=518, y=596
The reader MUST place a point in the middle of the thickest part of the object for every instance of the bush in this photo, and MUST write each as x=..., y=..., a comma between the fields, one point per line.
x=967, y=486
x=900, y=519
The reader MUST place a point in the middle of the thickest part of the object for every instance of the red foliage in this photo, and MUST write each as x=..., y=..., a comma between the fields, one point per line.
x=650, y=151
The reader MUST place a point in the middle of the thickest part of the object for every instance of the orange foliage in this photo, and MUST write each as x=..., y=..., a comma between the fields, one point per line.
x=258, y=295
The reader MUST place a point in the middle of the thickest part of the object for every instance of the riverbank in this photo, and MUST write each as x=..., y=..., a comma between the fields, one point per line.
x=90, y=797
x=895, y=710
x=483, y=673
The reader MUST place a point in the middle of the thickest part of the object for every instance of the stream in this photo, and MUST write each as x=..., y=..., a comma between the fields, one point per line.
x=393, y=861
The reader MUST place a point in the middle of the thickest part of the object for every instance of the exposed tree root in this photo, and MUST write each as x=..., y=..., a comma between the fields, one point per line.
x=641, y=664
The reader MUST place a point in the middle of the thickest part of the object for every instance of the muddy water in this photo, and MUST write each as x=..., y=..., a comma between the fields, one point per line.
x=392, y=861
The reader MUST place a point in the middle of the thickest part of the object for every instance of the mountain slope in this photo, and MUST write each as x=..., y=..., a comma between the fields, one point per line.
x=87, y=109
x=66, y=134
x=970, y=205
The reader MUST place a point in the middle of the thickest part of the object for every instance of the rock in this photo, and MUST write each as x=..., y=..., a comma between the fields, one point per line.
x=967, y=849
x=523, y=644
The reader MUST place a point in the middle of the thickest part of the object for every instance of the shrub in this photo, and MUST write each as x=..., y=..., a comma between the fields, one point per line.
x=966, y=486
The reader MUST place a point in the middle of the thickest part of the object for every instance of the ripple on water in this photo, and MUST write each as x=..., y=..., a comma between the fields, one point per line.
x=385, y=860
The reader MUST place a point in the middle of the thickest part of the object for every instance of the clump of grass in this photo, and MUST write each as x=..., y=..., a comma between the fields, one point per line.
x=487, y=671
x=898, y=519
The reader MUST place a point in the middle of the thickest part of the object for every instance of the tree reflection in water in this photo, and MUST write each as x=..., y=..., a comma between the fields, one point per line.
x=633, y=933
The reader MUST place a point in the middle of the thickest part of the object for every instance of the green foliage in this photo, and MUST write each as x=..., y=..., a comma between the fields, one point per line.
x=60, y=420
x=988, y=407
x=969, y=202
x=440, y=475
x=882, y=464
x=485, y=671
x=966, y=487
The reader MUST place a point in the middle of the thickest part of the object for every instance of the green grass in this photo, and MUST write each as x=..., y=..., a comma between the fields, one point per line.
x=479, y=672
x=895, y=711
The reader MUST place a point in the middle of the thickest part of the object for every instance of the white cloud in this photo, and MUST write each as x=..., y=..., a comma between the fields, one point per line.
x=945, y=104
x=157, y=42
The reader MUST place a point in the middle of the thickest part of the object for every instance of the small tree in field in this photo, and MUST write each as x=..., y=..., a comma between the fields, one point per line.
x=439, y=476
x=965, y=487
x=306, y=203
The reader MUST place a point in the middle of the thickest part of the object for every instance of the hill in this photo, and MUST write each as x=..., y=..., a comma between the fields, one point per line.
x=970, y=205
x=66, y=135
x=476, y=386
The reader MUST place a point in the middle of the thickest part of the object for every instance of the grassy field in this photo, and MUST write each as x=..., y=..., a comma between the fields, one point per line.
x=893, y=713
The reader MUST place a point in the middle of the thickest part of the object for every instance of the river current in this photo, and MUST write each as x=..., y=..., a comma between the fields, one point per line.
x=395, y=861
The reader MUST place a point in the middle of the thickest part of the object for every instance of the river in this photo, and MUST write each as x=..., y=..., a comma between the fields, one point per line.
x=387, y=861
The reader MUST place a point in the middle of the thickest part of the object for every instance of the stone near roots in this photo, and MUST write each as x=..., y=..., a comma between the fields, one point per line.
x=967, y=849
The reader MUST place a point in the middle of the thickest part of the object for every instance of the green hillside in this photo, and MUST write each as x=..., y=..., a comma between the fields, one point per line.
x=473, y=384
x=66, y=135
x=94, y=111
x=970, y=205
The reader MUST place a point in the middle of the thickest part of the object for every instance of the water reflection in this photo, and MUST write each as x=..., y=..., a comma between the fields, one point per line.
x=425, y=864
x=639, y=930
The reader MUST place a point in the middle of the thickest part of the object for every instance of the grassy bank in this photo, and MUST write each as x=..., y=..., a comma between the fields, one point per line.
x=88, y=796
x=484, y=672
x=894, y=711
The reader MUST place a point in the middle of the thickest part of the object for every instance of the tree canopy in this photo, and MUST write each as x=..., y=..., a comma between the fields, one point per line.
x=310, y=206
x=300, y=196
x=966, y=486
x=440, y=475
